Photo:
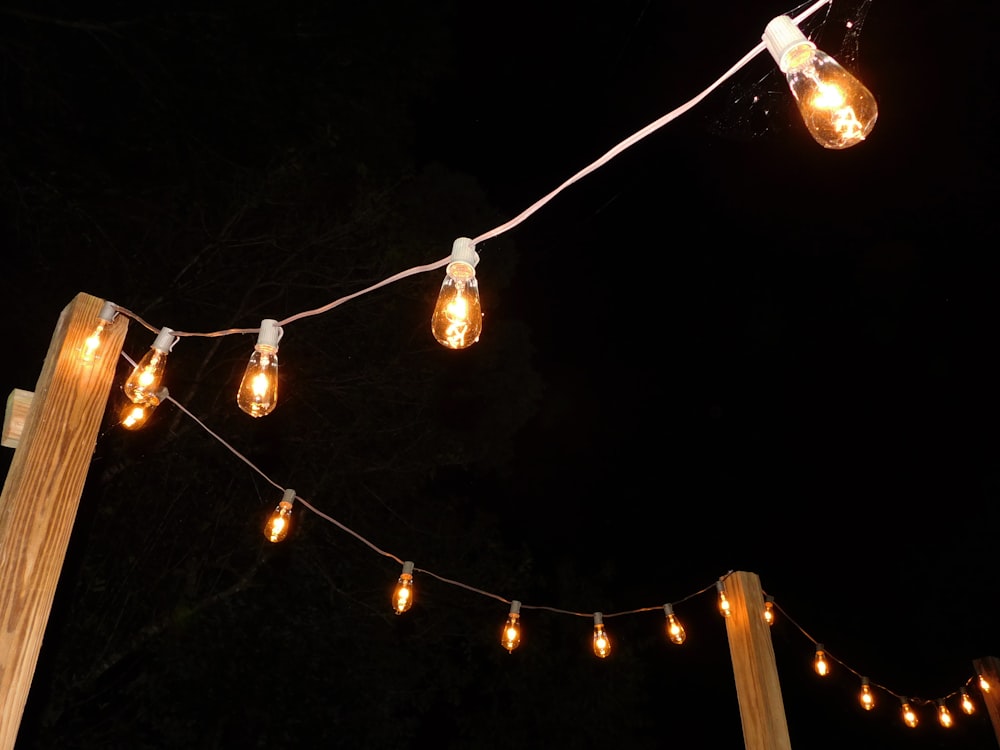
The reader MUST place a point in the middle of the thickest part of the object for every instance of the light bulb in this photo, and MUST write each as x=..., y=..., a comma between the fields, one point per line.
x=511, y=635
x=458, y=315
x=984, y=685
x=820, y=664
x=909, y=715
x=866, y=697
x=258, y=393
x=968, y=707
x=769, y=610
x=402, y=597
x=89, y=350
x=838, y=110
x=602, y=643
x=278, y=524
x=944, y=715
x=147, y=377
x=675, y=631
x=135, y=415
x=724, y=608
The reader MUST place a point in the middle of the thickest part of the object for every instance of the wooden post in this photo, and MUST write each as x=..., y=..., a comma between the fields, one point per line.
x=42, y=492
x=762, y=710
x=989, y=667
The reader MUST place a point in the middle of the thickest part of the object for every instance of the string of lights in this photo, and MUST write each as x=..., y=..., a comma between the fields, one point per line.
x=836, y=108
x=838, y=111
x=277, y=527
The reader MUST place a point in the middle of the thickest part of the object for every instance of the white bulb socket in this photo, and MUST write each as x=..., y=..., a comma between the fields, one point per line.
x=463, y=257
x=270, y=334
x=165, y=340
x=781, y=35
x=108, y=312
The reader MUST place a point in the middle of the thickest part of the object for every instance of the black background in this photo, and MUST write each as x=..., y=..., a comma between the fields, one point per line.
x=752, y=353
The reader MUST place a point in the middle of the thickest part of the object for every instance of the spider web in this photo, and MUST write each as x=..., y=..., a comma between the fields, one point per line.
x=757, y=103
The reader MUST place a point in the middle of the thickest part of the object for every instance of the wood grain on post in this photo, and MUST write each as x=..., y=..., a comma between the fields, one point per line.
x=42, y=492
x=989, y=668
x=762, y=709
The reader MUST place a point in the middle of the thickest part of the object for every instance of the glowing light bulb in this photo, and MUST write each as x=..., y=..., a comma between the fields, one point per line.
x=866, y=697
x=90, y=349
x=510, y=638
x=724, y=608
x=147, y=377
x=769, y=610
x=135, y=415
x=458, y=315
x=402, y=597
x=820, y=664
x=838, y=110
x=602, y=643
x=909, y=715
x=277, y=526
x=984, y=685
x=258, y=393
x=675, y=631
x=968, y=707
x=944, y=715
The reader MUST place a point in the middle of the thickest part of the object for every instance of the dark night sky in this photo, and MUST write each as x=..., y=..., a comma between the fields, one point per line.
x=757, y=354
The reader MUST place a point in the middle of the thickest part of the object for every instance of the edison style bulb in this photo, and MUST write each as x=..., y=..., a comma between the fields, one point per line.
x=984, y=684
x=135, y=415
x=968, y=707
x=458, y=315
x=510, y=638
x=258, y=393
x=675, y=631
x=147, y=377
x=838, y=110
x=402, y=597
x=90, y=348
x=769, y=610
x=944, y=715
x=909, y=715
x=602, y=643
x=277, y=526
x=724, y=607
x=820, y=664
x=866, y=697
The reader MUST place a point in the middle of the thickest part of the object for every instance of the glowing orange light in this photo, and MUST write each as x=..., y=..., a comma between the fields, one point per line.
x=820, y=664
x=866, y=697
x=457, y=320
x=675, y=631
x=724, y=607
x=510, y=637
x=279, y=523
x=602, y=643
x=944, y=715
x=402, y=597
x=769, y=610
x=968, y=707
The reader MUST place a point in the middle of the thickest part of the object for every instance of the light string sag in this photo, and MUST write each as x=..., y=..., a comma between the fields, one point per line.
x=838, y=111
x=404, y=595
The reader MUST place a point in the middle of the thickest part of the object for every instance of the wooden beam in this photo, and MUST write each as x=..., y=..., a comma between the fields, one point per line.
x=18, y=403
x=42, y=492
x=989, y=667
x=762, y=709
